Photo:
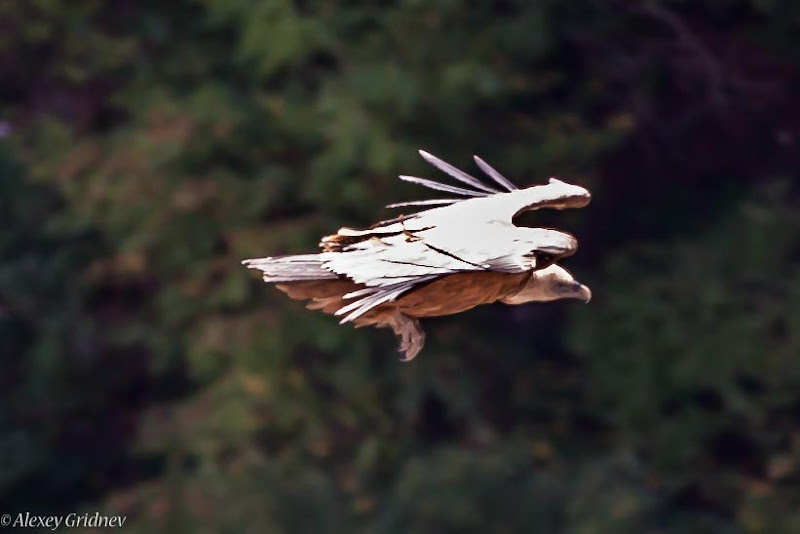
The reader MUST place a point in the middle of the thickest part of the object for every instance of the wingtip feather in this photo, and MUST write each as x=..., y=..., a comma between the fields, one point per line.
x=431, y=184
x=457, y=173
x=494, y=174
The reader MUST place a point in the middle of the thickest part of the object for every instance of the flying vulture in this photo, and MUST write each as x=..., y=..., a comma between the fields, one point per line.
x=460, y=253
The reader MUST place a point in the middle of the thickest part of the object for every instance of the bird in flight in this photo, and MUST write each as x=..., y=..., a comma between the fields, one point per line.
x=454, y=254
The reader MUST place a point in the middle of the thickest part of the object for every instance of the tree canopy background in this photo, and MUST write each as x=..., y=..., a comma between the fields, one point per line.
x=147, y=147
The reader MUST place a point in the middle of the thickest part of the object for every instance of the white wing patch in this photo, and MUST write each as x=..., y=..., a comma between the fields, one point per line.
x=393, y=260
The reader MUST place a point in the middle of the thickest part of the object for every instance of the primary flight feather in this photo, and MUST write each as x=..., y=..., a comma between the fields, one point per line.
x=440, y=260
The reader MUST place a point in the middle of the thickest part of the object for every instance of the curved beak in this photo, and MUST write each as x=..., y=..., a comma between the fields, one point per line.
x=576, y=290
x=584, y=293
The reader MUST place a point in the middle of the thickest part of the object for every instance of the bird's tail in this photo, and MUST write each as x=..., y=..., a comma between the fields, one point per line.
x=302, y=267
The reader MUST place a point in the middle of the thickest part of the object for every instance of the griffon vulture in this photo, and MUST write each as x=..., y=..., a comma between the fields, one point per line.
x=438, y=261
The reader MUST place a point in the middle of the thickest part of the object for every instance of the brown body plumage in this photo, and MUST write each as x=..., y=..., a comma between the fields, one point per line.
x=443, y=296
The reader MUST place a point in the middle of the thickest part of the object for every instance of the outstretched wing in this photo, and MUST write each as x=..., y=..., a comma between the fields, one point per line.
x=498, y=200
x=555, y=194
x=480, y=203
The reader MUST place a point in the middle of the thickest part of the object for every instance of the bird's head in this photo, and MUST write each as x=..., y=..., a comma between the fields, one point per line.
x=551, y=283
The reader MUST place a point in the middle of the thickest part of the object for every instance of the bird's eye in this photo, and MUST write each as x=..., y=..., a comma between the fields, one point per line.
x=543, y=259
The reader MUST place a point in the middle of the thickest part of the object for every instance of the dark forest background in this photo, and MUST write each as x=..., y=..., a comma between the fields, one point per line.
x=147, y=147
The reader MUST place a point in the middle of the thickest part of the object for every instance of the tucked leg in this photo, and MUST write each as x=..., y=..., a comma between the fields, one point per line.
x=412, y=336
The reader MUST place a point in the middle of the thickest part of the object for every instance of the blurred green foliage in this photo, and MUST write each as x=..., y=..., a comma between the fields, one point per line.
x=146, y=148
